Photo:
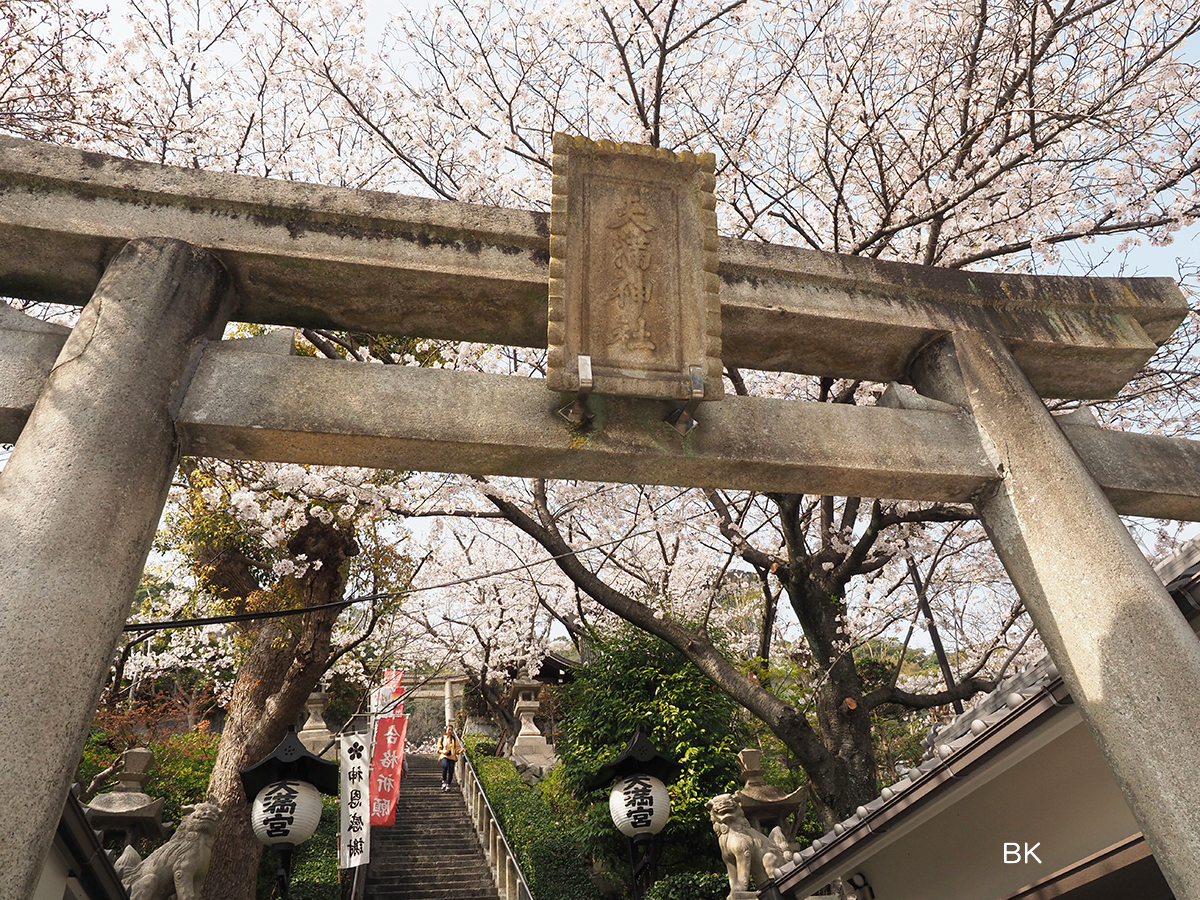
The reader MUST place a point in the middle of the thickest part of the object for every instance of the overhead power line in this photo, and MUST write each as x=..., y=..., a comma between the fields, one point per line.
x=142, y=627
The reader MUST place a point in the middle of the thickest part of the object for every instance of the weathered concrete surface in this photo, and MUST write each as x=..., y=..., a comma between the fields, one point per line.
x=79, y=502
x=861, y=318
x=1141, y=474
x=1126, y=653
x=1144, y=475
x=28, y=348
x=257, y=406
x=310, y=255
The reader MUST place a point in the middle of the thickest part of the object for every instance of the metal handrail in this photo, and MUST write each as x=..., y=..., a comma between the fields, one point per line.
x=523, y=892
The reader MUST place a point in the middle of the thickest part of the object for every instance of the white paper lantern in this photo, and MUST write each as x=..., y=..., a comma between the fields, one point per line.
x=639, y=805
x=286, y=812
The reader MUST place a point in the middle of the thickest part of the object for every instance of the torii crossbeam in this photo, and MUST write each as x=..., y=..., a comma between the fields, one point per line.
x=163, y=257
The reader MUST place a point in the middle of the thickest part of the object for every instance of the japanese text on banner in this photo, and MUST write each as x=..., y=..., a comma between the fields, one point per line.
x=387, y=761
x=354, y=837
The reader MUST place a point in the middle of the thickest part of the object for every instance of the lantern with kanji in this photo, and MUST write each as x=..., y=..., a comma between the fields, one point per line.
x=286, y=788
x=639, y=805
x=286, y=812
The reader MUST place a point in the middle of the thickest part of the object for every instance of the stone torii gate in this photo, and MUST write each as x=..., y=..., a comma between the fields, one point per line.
x=447, y=688
x=160, y=258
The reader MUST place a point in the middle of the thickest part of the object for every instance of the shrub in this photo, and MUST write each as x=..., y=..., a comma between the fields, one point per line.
x=314, y=863
x=183, y=764
x=636, y=681
x=542, y=841
x=690, y=886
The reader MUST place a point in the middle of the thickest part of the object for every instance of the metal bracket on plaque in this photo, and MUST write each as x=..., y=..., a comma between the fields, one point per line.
x=683, y=420
x=576, y=412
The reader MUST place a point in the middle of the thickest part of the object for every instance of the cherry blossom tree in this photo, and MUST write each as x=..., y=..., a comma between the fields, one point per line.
x=50, y=84
x=950, y=134
x=963, y=133
x=485, y=605
x=262, y=540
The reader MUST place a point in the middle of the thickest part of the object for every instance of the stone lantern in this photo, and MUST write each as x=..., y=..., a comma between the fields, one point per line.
x=127, y=812
x=530, y=745
x=765, y=805
x=315, y=734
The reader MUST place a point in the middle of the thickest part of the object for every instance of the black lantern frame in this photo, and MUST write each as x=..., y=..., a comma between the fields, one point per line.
x=289, y=761
x=640, y=757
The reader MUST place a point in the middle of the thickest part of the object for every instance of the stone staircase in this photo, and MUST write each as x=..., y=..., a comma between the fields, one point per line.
x=432, y=852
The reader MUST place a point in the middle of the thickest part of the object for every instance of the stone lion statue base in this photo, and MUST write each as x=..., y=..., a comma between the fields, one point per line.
x=747, y=852
x=177, y=868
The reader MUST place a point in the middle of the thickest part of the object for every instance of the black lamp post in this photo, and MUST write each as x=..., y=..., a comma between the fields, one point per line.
x=284, y=790
x=638, y=803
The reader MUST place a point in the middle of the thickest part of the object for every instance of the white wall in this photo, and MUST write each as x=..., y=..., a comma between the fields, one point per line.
x=1062, y=796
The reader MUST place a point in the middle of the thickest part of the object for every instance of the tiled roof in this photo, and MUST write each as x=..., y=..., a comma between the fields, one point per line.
x=992, y=707
x=1025, y=696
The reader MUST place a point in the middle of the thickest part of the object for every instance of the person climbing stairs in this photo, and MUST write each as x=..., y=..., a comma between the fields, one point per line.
x=432, y=852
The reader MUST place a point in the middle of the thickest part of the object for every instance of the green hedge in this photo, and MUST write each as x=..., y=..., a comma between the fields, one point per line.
x=549, y=857
x=183, y=764
x=690, y=886
x=315, y=871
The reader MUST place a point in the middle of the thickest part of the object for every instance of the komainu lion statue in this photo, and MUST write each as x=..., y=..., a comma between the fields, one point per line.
x=177, y=868
x=747, y=852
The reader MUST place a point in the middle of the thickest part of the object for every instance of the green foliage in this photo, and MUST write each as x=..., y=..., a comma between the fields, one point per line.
x=636, y=681
x=314, y=863
x=483, y=745
x=539, y=836
x=690, y=886
x=473, y=703
x=183, y=764
x=897, y=732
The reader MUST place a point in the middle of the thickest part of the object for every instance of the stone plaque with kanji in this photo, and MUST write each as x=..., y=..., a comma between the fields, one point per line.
x=633, y=271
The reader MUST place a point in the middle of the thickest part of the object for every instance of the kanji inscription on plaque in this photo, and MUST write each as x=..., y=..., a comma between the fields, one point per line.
x=633, y=272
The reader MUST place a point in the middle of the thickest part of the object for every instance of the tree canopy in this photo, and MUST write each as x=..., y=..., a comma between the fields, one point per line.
x=960, y=133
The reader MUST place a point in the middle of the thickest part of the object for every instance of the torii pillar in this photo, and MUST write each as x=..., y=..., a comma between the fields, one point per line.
x=80, y=500
x=85, y=486
x=1127, y=654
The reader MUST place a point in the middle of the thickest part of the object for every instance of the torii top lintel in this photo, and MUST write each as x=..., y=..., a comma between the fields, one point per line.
x=310, y=255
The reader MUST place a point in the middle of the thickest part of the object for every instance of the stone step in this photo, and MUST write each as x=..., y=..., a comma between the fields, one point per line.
x=443, y=888
x=429, y=892
x=418, y=829
x=426, y=835
x=431, y=887
x=431, y=874
x=444, y=879
x=432, y=852
x=430, y=863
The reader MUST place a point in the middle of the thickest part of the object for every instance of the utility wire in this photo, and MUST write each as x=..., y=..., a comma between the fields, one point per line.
x=281, y=613
x=245, y=617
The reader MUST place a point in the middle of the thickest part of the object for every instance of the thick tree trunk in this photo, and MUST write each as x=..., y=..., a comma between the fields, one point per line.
x=843, y=720
x=499, y=705
x=288, y=657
